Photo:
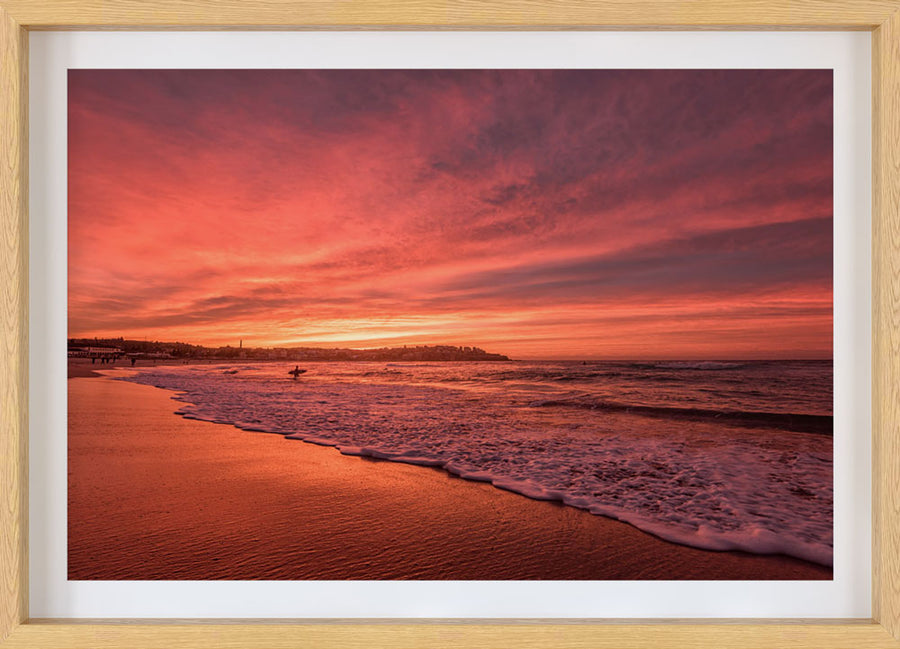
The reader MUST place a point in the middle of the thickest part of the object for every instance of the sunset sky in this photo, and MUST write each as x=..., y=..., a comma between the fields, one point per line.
x=544, y=214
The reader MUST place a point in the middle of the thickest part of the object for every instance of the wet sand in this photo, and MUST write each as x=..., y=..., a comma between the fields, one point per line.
x=80, y=369
x=155, y=496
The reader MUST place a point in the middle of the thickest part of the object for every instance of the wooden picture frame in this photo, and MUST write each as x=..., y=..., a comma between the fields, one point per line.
x=18, y=17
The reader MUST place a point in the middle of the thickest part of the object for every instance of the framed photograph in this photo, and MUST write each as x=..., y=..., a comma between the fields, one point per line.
x=643, y=316
x=610, y=300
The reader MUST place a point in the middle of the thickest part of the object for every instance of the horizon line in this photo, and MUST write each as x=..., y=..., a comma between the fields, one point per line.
x=570, y=359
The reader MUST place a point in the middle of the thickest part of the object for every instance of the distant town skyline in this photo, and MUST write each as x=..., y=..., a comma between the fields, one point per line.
x=542, y=214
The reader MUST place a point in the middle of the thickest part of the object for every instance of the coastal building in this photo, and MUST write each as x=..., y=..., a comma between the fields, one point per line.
x=95, y=352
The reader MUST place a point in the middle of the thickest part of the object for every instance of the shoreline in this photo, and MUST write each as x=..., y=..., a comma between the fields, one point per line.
x=216, y=502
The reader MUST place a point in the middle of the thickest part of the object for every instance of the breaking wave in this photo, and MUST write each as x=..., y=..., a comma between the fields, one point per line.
x=719, y=480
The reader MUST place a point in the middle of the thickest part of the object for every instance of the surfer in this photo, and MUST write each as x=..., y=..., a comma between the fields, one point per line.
x=296, y=372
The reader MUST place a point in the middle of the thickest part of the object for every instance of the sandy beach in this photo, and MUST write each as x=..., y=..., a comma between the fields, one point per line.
x=152, y=495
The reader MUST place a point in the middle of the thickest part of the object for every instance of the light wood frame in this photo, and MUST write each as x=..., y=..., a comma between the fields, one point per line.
x=18, y=17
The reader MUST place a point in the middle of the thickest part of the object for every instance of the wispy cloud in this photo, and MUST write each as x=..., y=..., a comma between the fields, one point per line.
x=542, y=213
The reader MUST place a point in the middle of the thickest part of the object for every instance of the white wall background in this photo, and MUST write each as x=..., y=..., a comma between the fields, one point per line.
x=847, y=53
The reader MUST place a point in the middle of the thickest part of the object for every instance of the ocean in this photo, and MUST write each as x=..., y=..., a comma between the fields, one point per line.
x=715, y=455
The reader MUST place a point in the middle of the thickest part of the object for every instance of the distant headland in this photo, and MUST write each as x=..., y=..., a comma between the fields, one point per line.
x=116, y=347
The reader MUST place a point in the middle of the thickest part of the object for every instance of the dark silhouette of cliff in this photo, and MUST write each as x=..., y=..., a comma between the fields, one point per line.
x=180, y=350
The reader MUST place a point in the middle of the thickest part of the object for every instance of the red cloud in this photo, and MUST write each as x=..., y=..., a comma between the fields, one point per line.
x=542, y=214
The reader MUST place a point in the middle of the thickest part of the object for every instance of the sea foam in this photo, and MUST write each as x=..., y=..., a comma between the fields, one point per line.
x=706, y=482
